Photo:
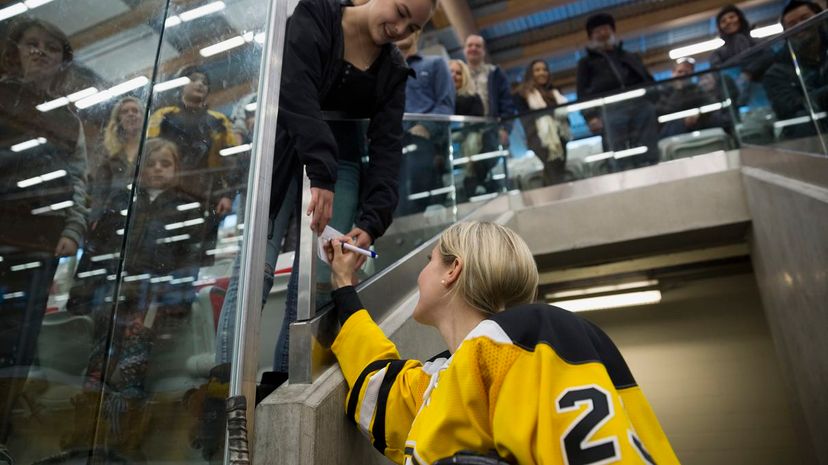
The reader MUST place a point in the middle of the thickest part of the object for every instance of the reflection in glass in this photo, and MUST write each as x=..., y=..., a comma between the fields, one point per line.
x=42, y=195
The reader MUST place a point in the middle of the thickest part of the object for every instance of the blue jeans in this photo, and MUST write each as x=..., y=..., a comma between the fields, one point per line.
x=277, y=229
x=344, y=211
x=346, y=202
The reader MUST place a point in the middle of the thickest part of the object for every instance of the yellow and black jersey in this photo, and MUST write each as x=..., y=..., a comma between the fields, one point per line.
x=535, y=384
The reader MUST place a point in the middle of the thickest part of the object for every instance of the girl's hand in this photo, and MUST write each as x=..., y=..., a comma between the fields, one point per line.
x=66, y=247
x=343, y=263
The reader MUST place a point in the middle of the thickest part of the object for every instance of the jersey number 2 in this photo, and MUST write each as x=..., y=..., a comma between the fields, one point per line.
x=578, y=448
x=576, y=442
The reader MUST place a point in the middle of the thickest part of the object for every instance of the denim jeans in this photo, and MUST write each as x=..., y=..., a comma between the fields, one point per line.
x=346, y=202
x=277, y=229
x=345, y=206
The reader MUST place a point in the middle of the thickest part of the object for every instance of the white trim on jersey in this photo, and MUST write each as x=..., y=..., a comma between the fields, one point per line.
x=369, y=401
x=489, y=329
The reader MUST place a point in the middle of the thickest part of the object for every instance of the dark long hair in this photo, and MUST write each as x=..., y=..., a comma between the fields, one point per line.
x=11, y=53
x=744, y=25
x=528, y=84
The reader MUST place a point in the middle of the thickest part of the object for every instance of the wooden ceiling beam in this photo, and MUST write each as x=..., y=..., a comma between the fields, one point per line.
x=133, y=18
x=512, y=9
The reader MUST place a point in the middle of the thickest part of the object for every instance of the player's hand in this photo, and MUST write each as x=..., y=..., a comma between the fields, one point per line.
x=321, y=207
x=363, y=240
x=343, y=262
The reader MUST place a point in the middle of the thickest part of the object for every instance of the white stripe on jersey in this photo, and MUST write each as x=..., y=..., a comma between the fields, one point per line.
x=369, y=401
x=491, y=330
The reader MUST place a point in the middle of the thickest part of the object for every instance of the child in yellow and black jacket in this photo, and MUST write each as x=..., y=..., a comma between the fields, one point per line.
x=533, y=384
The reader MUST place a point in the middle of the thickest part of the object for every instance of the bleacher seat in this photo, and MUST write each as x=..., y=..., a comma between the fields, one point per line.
x=695, y=143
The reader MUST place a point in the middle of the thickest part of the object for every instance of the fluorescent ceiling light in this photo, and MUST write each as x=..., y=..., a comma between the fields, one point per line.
x=234, y=150
x=766, y=31
x=36, y=3
x=172, y=21
x=250, y=107
x=13, y=10
x=28, y=144
x=13, y=295
x=201, y=11
x=695, y=49
x=74, y=97
x=610, y=301
x=59, y=102
x=222, y=46
x=260, y=37
x=171, y=84
x=52, y=104
x=53, y=207
x=602, y=289
x=678, y=115
x=42, y=178
x=114, y=91
x=584, y=105
x=25, y=266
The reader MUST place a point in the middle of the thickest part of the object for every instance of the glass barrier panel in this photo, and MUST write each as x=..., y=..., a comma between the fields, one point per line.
x=771, y=89
x=479, y=164
x=808, y=65
x=76, y=79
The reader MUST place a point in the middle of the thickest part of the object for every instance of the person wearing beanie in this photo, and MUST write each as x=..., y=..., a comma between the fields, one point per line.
x=607, y=68
x=782, y=81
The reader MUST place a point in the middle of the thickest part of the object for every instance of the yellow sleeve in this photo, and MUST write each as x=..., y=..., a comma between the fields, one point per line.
x=385, y=393
x=154, y=126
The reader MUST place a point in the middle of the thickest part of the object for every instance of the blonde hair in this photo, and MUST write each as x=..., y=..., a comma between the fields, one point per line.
x=113, y=134
x=467, y=87
x=499, y=270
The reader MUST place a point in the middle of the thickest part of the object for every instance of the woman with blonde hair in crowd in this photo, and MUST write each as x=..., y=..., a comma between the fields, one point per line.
x=468, y=101
x=511, y=385
x=121, y=141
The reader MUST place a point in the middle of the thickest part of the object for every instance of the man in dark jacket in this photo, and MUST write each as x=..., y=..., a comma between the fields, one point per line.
x=608, y=69
x=781, y=82
x=493, y=87
x=683, y=95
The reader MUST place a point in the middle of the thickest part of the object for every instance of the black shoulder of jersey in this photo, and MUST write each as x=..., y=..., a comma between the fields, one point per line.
x=443, y=354
x=574, y=339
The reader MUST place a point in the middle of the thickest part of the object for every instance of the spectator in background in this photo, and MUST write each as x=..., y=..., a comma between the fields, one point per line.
x=734, y=29
x=467, y=100
x=200, y=134
x=429, y=91
x=781, y=82
x=162, y=294
x=608, y=68
x=547, y=132
x=112, y=179
x=684, y=94
x=493, y=86
x=42, y=219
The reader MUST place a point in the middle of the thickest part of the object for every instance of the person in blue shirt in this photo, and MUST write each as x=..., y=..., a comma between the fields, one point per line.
x=429, y=91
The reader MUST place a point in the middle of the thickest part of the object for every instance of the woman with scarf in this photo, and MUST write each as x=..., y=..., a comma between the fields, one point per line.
x=547, y=132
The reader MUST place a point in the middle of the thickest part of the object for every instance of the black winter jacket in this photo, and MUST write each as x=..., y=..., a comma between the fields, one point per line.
x=598, y=74
x=313, y=58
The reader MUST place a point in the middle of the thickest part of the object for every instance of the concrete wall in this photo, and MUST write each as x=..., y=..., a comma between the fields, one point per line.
x=705, y=360
x=788, y=198
x=306, y=424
